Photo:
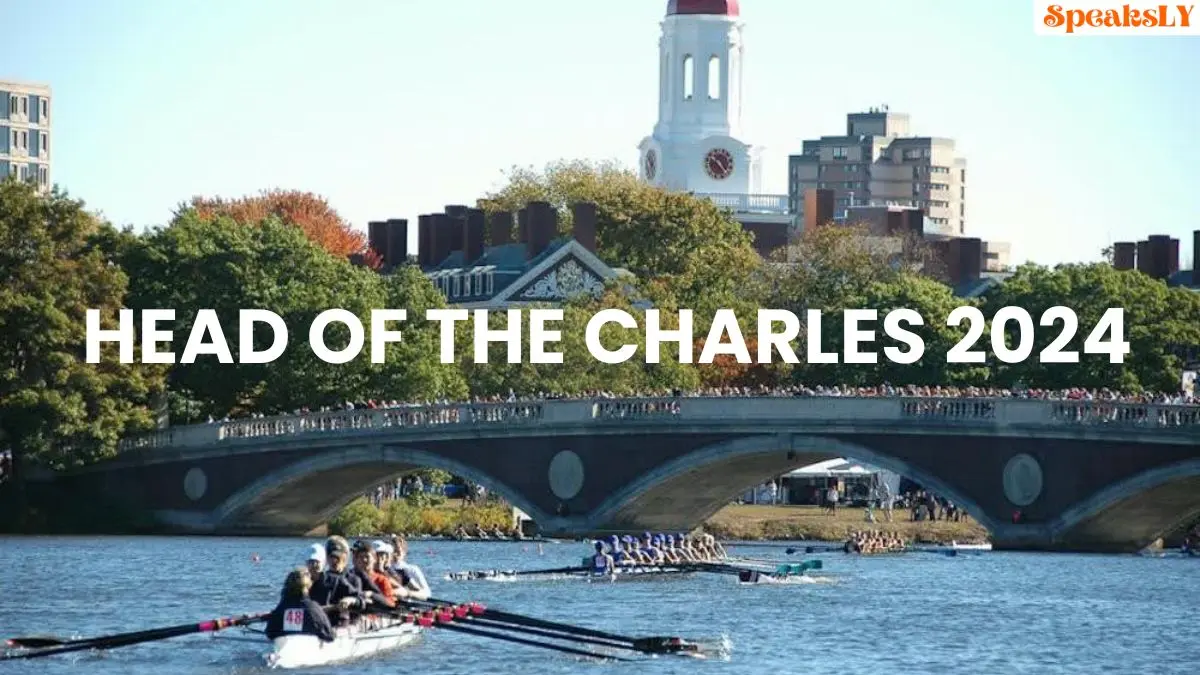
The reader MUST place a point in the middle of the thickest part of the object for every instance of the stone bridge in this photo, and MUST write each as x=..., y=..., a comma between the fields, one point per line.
x=1065, y=475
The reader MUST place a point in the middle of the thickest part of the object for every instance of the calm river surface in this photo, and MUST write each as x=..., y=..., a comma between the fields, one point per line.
x=918, y=613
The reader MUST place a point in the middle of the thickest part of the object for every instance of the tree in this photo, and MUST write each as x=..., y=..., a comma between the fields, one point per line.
x=57, y=410
x=219, y=264
x=1156, y=318
x=687, y=243
x=305, y=210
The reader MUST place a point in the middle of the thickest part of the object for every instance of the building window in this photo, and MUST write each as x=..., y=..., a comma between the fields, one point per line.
x=839, y=152
x=25, y=105
x=458, y=289
x=25, y=141
x=491, y=285
x=963, y=176
x=912, y=153
x=689, y=77
x=12, y=104
x=15, y=140
x=714, y=77
x=45, y=145
x=938, y=186
x=43, y=175
x=44, y=112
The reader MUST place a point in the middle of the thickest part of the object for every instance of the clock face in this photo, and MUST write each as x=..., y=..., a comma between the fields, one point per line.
x=718, y=163
x=650, y=164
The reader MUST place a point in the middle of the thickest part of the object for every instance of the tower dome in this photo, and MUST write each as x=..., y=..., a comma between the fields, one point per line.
x=716, y=7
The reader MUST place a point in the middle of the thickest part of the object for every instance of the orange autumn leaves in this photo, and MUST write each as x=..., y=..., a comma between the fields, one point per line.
x=311, y=213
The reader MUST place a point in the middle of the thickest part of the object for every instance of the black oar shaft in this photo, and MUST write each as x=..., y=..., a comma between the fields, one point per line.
x=137, y=637
x=542, y=623
x=553, y=635
x=522, y=641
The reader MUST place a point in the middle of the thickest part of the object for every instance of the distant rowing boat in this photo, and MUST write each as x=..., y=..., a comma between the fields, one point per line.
x=369, y=634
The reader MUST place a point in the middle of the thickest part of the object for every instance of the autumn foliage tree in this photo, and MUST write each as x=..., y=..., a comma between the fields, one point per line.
x=312, y=213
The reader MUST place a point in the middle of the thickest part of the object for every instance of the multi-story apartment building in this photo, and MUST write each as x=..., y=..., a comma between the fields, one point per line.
x=878, y=163
x=25, y=132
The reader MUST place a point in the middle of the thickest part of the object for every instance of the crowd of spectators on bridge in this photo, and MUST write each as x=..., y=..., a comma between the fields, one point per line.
x=1104, y=394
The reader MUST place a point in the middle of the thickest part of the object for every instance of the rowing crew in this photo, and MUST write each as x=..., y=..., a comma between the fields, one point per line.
x=379, y=576
x=654, y=549
x=868, y=543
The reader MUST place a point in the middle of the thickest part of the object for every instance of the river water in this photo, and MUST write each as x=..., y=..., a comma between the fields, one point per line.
x=915, y=613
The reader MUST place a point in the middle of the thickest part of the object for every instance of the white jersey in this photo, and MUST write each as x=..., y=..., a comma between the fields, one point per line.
x=413, y=572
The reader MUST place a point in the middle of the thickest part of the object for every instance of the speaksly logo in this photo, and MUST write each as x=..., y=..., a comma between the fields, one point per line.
x=1089, y=17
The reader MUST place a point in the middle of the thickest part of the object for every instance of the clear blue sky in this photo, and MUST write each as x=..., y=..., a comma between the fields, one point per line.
x=392, y=108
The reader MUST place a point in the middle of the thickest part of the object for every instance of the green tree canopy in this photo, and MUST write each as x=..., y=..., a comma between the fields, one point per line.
x=1156, y=319
x=56, y=409
x=217, y=263
x=695, y=249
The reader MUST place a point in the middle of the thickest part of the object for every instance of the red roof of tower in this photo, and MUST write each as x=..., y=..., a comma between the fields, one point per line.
x=718, y=7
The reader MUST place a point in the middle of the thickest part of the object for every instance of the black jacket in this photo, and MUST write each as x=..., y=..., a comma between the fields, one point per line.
x=299, y=616
x=331, y=587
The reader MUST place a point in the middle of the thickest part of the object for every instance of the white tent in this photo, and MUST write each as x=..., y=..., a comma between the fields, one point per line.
x=833, y=468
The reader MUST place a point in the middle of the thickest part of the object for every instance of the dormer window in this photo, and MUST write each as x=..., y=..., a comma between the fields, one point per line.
x=491, y=285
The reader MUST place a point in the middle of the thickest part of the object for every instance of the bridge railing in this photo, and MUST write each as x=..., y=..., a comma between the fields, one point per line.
x=948, y=411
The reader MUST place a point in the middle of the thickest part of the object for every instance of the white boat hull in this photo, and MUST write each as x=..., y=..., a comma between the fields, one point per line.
x=368, y=636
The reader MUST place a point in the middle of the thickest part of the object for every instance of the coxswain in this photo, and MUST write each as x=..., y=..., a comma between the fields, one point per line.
x=413, y=577
x=336, y=586
x=368, y=579
x=602, y=562
x=296, y=612
x=316, y=561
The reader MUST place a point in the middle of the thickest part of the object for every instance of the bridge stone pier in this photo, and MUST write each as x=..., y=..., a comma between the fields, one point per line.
x=1049, y=475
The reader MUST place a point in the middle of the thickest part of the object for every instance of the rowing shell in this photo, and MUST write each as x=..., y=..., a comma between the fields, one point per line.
x=370, y=634
x=638, y=573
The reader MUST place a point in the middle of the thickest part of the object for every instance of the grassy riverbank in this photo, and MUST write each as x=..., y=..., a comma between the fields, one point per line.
x=753, y=522
x=741, y=522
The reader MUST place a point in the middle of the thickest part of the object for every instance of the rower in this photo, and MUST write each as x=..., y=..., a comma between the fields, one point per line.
x=316, y=561
x=296, y=613
x=368, y=579
x=717, y=549
x=684, y=551
x=479, y=532
x=460, y=533
x=652, y=551
x=387, y=580
x=638, y=554
x=602, y=563
x=336, y=586
x=413, y=577
x=626, y=556
x=667, y=544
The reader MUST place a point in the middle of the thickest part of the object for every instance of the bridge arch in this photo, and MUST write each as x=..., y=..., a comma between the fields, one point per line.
x=349, y=472
x=773, y=454
x=1144, y=507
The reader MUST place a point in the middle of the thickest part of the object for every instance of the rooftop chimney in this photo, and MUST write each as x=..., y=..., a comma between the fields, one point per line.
x=1124, y=255
x=500, y=226
x=1143, y=257
x=456, y=224
x=1196, y=258
x=523, y=226
x=425, y=241
x=543, y=226
x=1164, y=256
x=473, y=236
x=440, y=231
x=818, y=208
x=397, y=243
x=584, y=215
x=377, y=239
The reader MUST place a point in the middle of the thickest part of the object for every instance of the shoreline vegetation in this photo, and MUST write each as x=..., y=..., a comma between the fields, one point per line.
x=736, y=522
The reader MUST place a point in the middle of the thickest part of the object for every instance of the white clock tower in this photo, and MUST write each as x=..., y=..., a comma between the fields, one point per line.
x=695, y=145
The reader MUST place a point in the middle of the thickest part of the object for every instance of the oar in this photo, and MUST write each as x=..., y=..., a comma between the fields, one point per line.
x=815, y=549
x=469, y=575
x=444, y=616
x=125, y=639
x=646, y=645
